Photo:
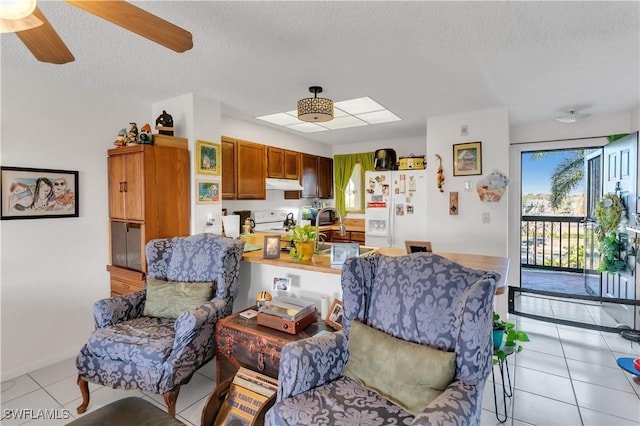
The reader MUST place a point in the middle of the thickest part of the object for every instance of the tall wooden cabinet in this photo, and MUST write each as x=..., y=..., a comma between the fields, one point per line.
x=148, y=199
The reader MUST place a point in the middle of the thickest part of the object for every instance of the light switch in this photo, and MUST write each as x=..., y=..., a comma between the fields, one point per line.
x=486, y=217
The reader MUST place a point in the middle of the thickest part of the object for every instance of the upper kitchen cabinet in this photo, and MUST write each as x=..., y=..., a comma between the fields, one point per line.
x=245, y=179
x=282, y=163
x=325, y=177
x=317, y=177
x=229, y=187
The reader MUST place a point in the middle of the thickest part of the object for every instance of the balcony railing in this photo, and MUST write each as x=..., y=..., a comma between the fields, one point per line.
x=560, y=243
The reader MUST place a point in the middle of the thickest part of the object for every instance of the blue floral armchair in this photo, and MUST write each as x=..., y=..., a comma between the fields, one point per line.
x=128, y=350
x=422, y=298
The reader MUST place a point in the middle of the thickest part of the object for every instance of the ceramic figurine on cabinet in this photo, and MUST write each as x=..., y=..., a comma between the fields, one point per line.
x=132, y=135
x=121, y=140
x=164, y=124
x=145, y=136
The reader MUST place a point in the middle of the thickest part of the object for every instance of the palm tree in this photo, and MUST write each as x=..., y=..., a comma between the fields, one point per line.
x=565, y=177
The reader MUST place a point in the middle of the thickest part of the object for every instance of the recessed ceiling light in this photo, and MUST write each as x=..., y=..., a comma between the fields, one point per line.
x=344, y=122
x=359, y=105
x=378, y=117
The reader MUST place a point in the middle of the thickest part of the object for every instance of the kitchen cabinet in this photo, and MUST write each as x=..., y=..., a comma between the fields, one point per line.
x=148, y=191
x=349, y=237
x=275, y=162
x=317, y=176
x=246, y=179
x=291, y=164
x=325, y=177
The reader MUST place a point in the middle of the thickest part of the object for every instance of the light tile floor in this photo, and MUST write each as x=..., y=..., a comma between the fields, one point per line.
x=565, y=376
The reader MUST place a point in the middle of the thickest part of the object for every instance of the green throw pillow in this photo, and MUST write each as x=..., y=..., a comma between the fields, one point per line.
x=408, y=374
x=168, y=299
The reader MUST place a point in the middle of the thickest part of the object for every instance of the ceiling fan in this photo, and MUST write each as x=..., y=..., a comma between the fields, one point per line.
x=35, y=31
x=572, y=116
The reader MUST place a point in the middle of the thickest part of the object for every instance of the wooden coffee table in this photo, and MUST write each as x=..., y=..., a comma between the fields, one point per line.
x=241, y=342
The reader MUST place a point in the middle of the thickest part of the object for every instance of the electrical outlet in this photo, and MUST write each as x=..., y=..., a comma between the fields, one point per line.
x=209, y=219
x=486, y=217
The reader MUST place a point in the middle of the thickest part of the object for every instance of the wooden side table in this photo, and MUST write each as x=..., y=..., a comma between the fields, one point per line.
x=241, y=342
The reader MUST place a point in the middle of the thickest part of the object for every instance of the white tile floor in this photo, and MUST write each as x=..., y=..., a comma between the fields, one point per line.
x=565, y=376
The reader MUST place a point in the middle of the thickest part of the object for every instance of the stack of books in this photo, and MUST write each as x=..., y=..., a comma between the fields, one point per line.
x=287, y=314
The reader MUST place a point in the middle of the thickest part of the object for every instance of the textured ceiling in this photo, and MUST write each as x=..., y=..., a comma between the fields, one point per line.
x=418, y=59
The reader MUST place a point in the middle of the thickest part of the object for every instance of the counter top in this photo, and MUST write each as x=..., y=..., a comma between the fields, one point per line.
x=323, y=263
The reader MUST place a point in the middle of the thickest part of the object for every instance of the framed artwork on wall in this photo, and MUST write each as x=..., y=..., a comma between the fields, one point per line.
x=38, y=193
x=467, y=159
x=208, y=158
x=208, y=191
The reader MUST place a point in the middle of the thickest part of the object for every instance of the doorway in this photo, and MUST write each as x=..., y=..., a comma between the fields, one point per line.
x=559, y=252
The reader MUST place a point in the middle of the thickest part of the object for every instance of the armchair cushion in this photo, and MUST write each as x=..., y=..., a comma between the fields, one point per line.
x=409, y=374
x=168, y=299
x=143, y=341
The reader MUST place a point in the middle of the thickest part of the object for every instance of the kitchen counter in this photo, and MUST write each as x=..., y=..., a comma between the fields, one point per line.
x=323, y=263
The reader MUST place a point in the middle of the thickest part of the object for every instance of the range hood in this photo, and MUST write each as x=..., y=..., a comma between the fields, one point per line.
x=283, y=184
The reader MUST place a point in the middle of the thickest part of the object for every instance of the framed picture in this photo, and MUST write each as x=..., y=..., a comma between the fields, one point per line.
x=340, y=252
x=38, y=193
x=418, y=246
x=334, y=316
x=271, y=248
x=208, y=191
x=467, y=159
x=281, y=284
x=208, y=158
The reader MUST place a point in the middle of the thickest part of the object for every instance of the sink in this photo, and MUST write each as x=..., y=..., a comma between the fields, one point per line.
x=324, y=249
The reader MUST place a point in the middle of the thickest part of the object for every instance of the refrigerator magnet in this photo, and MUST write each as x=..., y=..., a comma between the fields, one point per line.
x=400, y=210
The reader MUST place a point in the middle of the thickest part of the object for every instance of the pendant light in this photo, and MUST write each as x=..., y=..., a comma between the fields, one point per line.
x=315, y=109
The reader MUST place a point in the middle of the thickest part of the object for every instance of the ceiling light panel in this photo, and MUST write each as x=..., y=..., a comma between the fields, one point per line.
x=359, y=105
x=378, y=117
x=307, y=127
x=280, y=118
x=344, y=122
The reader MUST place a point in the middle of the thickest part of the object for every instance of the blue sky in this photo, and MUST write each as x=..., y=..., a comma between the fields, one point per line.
x=536, y=173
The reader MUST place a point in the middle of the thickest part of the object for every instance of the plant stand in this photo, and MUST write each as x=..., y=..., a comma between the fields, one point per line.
x=507, y=389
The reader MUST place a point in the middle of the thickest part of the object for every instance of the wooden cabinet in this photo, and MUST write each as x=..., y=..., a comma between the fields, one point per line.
x=148, y=199
x=245, y=178
x=229, y=187
x=325, y=177
x=283, y=163
x=317, y=177
x=291, y=164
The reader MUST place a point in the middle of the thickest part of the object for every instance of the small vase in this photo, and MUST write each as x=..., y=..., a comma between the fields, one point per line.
x=498, y=339
x=305, y=249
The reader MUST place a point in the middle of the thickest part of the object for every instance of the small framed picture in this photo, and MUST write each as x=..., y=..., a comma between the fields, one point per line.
x=467, y=159
x=208, y=191
x=340, y=252
x=281, y=284
x=334, y=316
x=418, y=246
x=207, y=158
x=271, y=248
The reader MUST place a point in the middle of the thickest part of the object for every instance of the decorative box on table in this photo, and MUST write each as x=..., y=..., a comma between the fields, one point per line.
x=241, y=342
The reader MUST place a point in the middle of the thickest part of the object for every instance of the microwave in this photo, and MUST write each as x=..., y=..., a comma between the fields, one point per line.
x=327, y=217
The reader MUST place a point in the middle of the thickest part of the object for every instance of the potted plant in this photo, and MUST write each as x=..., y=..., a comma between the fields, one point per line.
x=506, y=335
x=304, y=238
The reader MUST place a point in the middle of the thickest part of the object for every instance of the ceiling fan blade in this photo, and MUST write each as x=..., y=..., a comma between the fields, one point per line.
x=45, y=43
x=139, y=21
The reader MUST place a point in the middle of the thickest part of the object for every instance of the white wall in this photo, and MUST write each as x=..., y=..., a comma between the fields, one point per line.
x=403, y=147
x=465, y=233
x=53, y=270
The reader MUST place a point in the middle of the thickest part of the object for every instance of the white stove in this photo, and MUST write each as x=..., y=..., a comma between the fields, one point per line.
x=269, y=220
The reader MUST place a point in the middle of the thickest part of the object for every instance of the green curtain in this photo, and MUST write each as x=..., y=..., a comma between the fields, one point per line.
x=343, y=168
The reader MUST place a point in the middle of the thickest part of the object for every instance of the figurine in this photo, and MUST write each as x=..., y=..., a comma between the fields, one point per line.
x=132, y=135
x=164, y=124
x=145, y=136
x=121, y=140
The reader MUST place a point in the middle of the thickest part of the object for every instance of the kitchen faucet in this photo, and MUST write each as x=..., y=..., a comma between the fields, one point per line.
x=343, y=230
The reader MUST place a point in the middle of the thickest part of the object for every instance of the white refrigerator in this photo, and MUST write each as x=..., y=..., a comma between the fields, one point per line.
x=395, y=207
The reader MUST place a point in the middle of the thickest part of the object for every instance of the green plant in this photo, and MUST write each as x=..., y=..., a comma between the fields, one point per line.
x=303, y=234
x=513, y=337
x=608, y=213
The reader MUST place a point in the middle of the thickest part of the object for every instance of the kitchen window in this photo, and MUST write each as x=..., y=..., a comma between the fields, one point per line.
x=353, y=195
